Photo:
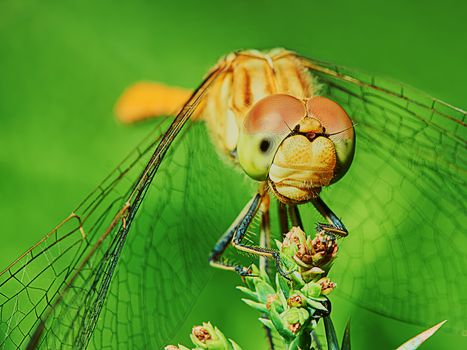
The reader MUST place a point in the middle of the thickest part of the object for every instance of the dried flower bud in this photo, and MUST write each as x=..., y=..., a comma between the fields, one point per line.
x=294, y=242
x=296, y=300
x=270, y=299
x=208, y=337
x=294, y=328
x=327, y=286
x=201, y=333
x=324, y=247
x=294, y=318
x=173, y=347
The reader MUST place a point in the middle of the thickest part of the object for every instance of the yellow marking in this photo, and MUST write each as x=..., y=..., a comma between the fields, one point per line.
x=144, y=100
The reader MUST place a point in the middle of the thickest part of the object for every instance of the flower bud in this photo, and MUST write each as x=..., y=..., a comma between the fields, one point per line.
x=324, y=247
x=294, y=318
x=327, y=286
x=293, y=242
x=271, y=299
x=208, y=337
x=296, y=300
x=312, y=290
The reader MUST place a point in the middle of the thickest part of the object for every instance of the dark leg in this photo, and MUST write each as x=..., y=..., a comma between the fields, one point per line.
x=266, y=252
x=283, y=220
x=295, y=216
x=243, y=220
x=265, y=234
x=335, y=225
x=235, y=235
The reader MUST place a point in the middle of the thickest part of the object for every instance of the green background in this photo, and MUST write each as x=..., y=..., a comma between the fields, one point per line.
x=64, y=63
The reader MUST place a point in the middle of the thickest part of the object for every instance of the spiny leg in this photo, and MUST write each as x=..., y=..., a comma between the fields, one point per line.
x=335, y=225
x=266, y=252
x=243, y=220
x=235, y=235
x=265, y=233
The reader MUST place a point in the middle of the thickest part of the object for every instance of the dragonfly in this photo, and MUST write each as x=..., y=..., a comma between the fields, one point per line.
x=125, y=267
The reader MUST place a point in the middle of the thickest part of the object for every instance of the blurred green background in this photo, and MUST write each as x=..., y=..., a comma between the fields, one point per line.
x=64, y=63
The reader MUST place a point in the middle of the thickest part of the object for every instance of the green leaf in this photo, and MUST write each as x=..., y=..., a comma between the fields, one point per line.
x=264, y=290
x=331, y=337
x=315, y=304
x=282, y=298
x=250, y=282
x=235, y=346
x=280, y=325
x=282, y=284
x=248, y=292
x=346, y=337
x=418, y=340
x=267, y=322
x=257, y=306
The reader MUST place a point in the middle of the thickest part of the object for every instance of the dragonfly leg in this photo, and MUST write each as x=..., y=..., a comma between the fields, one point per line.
x=265, y=233
x=235, y=234
x=283, y=219
x=335, y=225
x=267, y=252
x=295, y=216
x=243, y=220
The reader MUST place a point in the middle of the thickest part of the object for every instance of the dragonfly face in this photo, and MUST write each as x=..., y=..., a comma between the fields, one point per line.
x=298, y=146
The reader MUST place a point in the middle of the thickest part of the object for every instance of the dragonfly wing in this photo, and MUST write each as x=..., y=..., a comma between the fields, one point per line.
x=403, y=199
x=120, y=272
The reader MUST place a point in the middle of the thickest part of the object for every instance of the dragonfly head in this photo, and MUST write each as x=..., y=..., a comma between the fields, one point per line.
x=298, y=146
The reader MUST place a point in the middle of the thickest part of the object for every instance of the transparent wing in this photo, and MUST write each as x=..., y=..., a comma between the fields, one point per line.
x=120, y=272
x=403, y=200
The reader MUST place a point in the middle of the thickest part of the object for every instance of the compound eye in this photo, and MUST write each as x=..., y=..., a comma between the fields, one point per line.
x=274, y=114
x=264, y=127
x=332, y=116
x=339, y=128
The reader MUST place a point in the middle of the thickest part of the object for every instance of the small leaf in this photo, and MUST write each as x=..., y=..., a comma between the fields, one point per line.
x=264, y=290
x=250, y=282
x=331, y=337
x=346, y=337
x=248, y=292
x=418, y=340
x=280, y=326
x=281, y=284
x=267, y=322
x=278, y=244
x=316, y=305
x=235, y=346
x=258, y=306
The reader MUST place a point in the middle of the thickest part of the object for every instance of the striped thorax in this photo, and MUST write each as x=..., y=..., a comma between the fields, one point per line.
x=265, y=113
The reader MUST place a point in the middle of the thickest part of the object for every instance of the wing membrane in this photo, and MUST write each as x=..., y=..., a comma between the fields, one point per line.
x=403, y=200
x=59, y=293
